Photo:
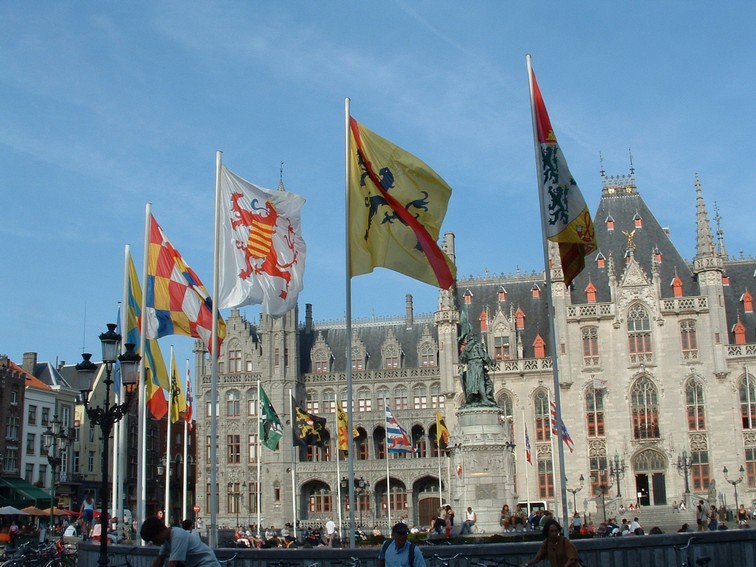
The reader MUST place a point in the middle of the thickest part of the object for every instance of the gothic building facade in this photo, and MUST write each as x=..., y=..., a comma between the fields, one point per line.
x=655, y=358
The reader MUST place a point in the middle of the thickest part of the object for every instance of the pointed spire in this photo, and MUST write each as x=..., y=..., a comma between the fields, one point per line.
x=280, y=179
x=720, y=234
x=704, y=240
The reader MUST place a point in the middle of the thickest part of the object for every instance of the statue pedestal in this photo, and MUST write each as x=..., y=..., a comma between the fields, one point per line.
x=482, y=474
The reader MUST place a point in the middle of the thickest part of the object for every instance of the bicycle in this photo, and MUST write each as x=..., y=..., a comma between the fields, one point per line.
x=351, y=562
x=443, y=561
x=701, y=561
x=494, y=563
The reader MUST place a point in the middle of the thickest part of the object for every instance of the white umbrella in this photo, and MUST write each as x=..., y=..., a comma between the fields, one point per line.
x=11, y=511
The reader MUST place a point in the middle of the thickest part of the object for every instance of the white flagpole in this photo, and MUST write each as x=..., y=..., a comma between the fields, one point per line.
x=526, y=472
x=438, y=448
x=258, y=494
x=119, y=436
x=295, y=454
x=338, y=470
x=213, y=504
x=550, y=305
x=350, y=459
x=142, y=412
x=185, y=487
x=171, y=401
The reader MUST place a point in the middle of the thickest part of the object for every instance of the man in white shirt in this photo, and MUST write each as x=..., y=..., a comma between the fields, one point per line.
x=330, y=531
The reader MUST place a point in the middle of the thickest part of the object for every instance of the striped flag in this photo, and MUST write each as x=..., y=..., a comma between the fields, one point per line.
x=398, y=441
x=565, y=436
x=528, y=456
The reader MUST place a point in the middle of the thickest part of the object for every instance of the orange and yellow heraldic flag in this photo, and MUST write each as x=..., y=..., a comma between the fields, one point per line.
x=442, y=433
x=396, y=206
x=568, y=221
x=342, y=420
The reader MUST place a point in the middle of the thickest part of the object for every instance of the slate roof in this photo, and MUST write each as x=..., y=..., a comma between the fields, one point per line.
x=742, y=275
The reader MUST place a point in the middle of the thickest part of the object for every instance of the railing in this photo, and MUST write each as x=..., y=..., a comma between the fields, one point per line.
x=696, y=304
x=590, y=311
x=736, y=351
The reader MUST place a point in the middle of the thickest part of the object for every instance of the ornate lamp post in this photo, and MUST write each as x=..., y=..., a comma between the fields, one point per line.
x=361, y=487
x=617, y=471
x=603, y=488
x=55, y=439
x=684, y=464
x=108, y=415
x=574, y=491
x=735, y=483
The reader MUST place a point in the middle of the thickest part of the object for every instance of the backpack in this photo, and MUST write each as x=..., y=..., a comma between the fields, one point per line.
x=411, y=551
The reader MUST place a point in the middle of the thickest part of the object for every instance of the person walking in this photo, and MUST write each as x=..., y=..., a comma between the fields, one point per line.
x=397, y=552
x=556, y=548
x=180, y=547
x=87, y=514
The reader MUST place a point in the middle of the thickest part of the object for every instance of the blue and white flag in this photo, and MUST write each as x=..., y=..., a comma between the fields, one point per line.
x=396, y=436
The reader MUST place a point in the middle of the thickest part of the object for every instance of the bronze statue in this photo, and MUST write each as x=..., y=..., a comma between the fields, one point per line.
x=476, y=363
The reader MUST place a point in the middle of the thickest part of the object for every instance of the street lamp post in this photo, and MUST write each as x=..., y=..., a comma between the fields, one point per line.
x=108, y=415
x=684, y=464
x=617, y=471
x=599, y=477
x=55, y=439
x=574, y=491
x=735, y=482
x=361, y=486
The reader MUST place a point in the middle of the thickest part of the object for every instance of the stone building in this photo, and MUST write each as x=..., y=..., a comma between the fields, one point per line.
x=656, y=357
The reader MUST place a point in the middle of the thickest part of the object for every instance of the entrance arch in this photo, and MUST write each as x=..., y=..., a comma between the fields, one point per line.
x=650, y=467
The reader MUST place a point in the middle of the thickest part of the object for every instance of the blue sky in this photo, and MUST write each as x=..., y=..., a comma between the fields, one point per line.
x=108, y=105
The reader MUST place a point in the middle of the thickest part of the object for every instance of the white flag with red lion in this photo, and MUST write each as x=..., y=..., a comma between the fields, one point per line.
x=262, y=252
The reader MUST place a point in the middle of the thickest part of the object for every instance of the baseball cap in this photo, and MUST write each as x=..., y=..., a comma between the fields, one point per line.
x=400, y=528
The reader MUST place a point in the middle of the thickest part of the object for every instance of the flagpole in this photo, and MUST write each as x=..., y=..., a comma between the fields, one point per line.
x=142, y=411
x=350, y=459
x=338, y=469
x=526, y=473
x=549, y=301
x=213, y=504
x=185, y=471
x=171, y=401
x=119, y=466
x=438, y=448
x=294, y=455
x=259, y=453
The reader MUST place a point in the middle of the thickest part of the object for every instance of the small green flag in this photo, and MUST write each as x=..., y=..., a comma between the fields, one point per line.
x=271, y=429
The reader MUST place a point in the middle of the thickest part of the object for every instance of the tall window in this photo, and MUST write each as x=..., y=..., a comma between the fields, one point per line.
x=501, y=348
x=400, y=398
x=545, y=478
x=234, y=361
x=590, y=346
x=594, y=412
x=398, y=500
x=311, y=402
x=11, y=429
x=208, y=497
x=427, y=355
x=645, y=409
x=233, y=503
x=32, y=415
x=437, y=400
x=419, y=397
x=689, y=340
x=252, y=447
x=364, y=400
x=233, y=404
x=252, y=497
x=329, y=401
x=234, y=449
x=748, y=401
x=45, y=417
x=252, y=405
x=699, y=471
x=542, y=417
x=321, y=361
x=31, y=443
x=750, y=458
x=391, y=358
x=382, y=395
x=694, y=402
x=639, y=334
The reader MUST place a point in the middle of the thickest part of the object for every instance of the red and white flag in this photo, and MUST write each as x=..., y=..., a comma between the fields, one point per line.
x=262, y=252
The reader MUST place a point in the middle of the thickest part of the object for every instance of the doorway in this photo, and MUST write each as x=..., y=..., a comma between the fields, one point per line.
x=641, y=490
x=660, y=489
x=428, y=510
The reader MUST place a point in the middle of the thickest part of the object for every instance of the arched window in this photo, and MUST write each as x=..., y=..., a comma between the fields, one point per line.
x=252, y=405
x=364, y=400
x=694, y=403
x=594, y=412
x=233, y=404
x=505, y=403
x=590, y=346
x=400, y=398
x=542, y=416
x=689, y=339
x=329, y=401
x=420, y=397
x=382, y=395
x=639, y=334
x=747, y=391
x=645, y=409
x=427, y=355
x=312, y=404
x=437, y=400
